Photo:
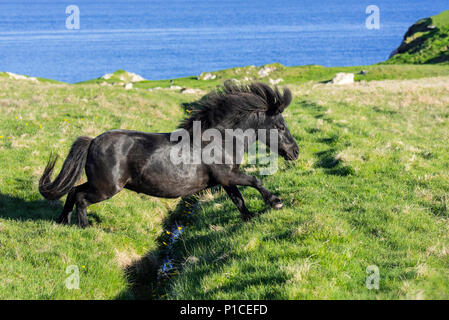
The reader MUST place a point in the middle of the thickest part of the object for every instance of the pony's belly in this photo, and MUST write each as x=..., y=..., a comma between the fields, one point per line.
x=177, y=182
x=167, y=191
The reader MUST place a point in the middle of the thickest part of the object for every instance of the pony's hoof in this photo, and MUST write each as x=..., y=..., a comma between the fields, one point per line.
x=278, y=206
x=63, y=221
x=247, y=217
x=83, y=225
x=276, y=203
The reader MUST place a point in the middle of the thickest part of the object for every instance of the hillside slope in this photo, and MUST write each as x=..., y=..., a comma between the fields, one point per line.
x=426, y=41
x=35, y=253
x=370, y=188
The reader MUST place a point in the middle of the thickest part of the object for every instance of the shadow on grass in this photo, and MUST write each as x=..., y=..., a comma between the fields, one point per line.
x=144, y=275
x=331, y=164
x=16, y=208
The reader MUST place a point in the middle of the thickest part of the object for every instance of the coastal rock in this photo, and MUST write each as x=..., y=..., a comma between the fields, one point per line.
x=207, y=76
x=124, y=76
x=107, y=76
x=21, y=77
x=136, y=77
x=343, y=78
x=393, y=53
x=275, y=82
x=425, y=42
x=265, y=71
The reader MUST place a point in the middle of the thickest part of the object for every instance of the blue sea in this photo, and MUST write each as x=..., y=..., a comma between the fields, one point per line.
x=161, y=39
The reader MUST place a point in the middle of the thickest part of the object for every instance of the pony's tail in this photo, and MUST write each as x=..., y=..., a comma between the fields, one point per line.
x=70, y=173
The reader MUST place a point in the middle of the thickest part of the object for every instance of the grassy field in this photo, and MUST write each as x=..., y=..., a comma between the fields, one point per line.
x=34, y=251
x=370, y=187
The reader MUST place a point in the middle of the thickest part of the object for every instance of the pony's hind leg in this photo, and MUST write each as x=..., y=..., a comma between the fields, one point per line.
x=90, y=195
x=66, y=214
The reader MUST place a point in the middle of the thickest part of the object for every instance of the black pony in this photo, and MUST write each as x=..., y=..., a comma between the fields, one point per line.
x=140, y=161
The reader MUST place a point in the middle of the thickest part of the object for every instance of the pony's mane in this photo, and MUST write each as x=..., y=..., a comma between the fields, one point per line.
x=233, y=102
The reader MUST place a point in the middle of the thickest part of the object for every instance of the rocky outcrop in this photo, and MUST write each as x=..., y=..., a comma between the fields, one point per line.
x=21, y=77
x=275, y=81
x=266, y=70
x=343, y=78
x=124, y=76
x=207, y=76
x=426, y=41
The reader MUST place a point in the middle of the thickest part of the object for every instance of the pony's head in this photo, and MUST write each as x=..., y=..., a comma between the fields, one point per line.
x=244, y=106
x=273, y=120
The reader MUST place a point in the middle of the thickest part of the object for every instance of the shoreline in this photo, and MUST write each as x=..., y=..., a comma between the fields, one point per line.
x=274, y=74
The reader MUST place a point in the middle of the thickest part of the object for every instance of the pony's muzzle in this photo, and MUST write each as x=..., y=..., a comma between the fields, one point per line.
x=293, y=153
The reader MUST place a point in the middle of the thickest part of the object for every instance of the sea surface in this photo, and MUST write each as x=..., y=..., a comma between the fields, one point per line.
x=172, y=38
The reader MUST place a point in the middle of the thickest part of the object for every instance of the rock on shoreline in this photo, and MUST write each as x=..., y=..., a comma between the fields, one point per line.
x=21, y=77
x=123, y=76
x=343, y=78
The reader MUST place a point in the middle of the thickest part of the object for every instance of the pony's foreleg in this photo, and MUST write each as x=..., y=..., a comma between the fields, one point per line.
x=237, y=198
x=239, y=178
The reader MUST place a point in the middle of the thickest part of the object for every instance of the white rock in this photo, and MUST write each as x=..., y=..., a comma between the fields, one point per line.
x=136, y=77
x=275, y=82
x=126, y=76
x=343, y=78
x=265, y=71
x=207, y=76
x=128, y=86
x=175, y=88
x=21, y=77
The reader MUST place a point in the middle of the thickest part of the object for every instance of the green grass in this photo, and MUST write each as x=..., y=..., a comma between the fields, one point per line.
x=427, y=41
x=34, y=251
x=370, y=188
x=289, y=75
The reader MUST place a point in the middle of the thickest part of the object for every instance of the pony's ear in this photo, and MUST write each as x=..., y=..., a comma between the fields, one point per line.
x=286, y=100
x=282, y=101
